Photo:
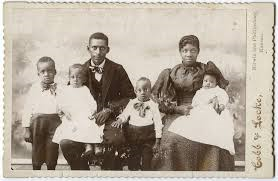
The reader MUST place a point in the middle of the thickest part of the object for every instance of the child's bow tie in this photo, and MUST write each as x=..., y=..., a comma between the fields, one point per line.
x=52, y=87
x=97, y=69
x=140, y=106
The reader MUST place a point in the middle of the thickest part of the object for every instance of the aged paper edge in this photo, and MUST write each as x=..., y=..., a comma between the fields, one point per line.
x=260, y=20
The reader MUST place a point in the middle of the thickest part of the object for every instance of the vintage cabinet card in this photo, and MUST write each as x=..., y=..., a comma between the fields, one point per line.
x=138, y=90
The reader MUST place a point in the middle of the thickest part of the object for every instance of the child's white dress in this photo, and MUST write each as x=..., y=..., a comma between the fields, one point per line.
x=79, y=103
x=204, y=124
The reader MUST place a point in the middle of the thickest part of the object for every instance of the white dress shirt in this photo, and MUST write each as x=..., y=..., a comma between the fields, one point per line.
x=38, y=102
x=97, y=75
x=152, y=116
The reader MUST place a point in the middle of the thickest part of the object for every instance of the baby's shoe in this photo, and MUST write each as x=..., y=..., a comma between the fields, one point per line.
x=89, y=151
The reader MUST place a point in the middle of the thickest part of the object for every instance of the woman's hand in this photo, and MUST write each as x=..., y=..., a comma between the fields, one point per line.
x=215, y=104
x=182, y=109
x=221, y=108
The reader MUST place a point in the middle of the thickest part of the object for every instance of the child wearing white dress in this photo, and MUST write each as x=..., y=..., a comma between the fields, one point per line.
x=77, y=107
x=205, y=123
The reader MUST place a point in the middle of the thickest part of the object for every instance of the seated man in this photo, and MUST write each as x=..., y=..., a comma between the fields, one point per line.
x=110, y=86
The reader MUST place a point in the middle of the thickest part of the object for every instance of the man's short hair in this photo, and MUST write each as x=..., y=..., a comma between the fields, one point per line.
x=46, y=60
x=99, y=36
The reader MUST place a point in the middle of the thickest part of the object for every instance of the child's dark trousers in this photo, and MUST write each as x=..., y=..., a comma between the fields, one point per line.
x=43, y=127
x=141, y=141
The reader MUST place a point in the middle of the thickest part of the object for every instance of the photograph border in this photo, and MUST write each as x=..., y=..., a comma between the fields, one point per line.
x=259, y=71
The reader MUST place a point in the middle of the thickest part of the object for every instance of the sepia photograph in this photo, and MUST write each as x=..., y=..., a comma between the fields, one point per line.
x=146, y=88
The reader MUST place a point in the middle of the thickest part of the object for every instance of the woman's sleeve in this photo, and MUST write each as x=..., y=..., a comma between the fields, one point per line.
x=163, y=92
x=157, y=121
x=126, y=112
x=163, y=85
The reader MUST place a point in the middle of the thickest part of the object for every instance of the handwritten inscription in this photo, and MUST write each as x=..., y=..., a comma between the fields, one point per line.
x=258, y=162
x=257, y=123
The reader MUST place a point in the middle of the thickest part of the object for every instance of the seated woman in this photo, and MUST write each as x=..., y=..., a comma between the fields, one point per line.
x=217, y=128
x=179, y=85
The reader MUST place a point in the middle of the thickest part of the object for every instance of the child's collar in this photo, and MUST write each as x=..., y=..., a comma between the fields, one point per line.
x=143, y=101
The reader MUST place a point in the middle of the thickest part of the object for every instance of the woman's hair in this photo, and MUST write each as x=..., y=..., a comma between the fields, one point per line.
x=189, y=39
x=80, y=67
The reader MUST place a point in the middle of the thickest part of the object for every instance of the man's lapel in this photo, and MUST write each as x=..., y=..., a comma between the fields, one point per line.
x=89, y=72
x=107, y=77
x=87, y=65
x=90, y=80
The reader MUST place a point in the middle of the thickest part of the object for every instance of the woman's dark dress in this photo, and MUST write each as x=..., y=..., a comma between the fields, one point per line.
x=176, y=152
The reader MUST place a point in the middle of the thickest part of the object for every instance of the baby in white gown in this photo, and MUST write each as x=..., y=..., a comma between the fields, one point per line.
x=204, y=124
x=77, y=107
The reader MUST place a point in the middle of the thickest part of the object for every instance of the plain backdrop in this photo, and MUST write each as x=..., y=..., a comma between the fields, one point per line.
x=143, y=40
x=117, y=51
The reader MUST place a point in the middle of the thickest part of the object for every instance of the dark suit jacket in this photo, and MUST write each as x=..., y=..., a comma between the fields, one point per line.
x=116, y=86
x=116, y=91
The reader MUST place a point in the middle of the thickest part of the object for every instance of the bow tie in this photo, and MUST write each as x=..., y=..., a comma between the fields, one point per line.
x=141, y=107
x=52, y=87
x=97, y=69
x=190, y=69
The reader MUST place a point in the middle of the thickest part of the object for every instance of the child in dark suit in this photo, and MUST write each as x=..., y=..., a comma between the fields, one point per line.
x=40, y=117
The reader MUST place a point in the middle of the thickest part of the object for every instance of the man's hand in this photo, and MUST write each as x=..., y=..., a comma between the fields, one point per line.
x=118, y=123
x=27, y=135
x=182, y=109
x=102, y=116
